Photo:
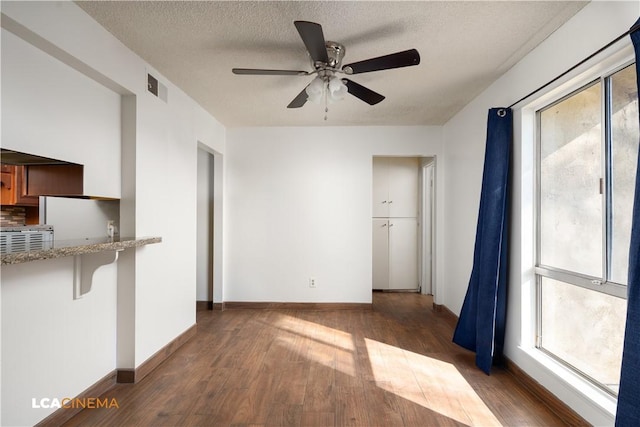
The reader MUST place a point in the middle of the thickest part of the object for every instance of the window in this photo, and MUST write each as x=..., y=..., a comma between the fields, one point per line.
x=586, y=168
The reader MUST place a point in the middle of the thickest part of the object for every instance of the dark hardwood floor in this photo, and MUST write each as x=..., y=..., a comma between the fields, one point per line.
x=394, y=365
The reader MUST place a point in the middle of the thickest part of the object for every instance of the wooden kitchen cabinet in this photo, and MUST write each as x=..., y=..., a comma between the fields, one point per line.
x=7, y=187
x=22, y=197
x=13, y=193
x=23, y=184
x=54, y=180
x=14, y=189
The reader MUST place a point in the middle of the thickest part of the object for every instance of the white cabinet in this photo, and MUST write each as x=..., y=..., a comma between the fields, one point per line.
x=395, y=253
x=380, y=253
x=403, y=253
x=395, y=223
x=395, y=187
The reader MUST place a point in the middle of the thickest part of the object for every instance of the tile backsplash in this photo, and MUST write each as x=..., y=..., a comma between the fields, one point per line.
x=11, y=216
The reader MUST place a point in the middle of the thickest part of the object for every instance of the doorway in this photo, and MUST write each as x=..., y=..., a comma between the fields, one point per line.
x=205, y=230
x=403, y=217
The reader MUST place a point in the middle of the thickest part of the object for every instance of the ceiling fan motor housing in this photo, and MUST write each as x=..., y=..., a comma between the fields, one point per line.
x=335, y=52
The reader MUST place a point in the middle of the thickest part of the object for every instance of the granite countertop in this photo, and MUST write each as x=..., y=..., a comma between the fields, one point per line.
x=64, y=248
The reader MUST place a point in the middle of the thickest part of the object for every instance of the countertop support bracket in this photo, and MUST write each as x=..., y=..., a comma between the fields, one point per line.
x=85, y=265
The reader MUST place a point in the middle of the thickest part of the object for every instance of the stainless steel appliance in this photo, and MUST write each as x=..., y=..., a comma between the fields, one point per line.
x=25, y=238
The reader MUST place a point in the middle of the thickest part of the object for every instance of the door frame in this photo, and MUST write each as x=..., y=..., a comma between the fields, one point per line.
x=427, y=201
x=427, y=221
x=215, y=292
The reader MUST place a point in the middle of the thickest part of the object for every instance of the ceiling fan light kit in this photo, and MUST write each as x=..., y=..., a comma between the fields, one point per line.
x=337, y=89
x=326, y=59
x=332, y=87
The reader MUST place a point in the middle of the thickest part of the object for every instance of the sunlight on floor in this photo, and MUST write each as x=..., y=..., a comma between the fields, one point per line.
x=329, y=347
x=428, y=382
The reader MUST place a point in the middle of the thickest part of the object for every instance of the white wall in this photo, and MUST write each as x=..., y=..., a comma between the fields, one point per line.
x=298, y=204
x=53, y=345
x=164, y=180
x=55, y=111
x=464, y=139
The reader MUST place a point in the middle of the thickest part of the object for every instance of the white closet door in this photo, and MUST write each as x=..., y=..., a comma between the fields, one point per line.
x=403, y=186
x=380, y=254
x=380, y=187
x=403, y=253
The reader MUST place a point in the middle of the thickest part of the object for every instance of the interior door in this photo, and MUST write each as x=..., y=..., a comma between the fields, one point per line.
x=380, y=254
x=403, y=253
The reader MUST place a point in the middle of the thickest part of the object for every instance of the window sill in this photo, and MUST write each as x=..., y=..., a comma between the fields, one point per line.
x=592, y=394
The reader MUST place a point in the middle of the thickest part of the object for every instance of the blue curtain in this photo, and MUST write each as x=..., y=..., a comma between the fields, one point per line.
x=481, y=325
x=628, y=413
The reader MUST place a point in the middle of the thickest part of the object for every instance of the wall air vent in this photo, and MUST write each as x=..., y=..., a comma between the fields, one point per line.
x=157, y=88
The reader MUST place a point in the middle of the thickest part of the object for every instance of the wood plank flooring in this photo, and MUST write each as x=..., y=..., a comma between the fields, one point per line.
x=393, y=365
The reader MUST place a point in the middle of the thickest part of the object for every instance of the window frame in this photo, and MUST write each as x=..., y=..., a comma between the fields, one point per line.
x=546, y=369
x=598, y=284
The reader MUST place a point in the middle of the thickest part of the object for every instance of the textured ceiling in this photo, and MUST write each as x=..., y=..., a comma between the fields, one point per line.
x=464, y=47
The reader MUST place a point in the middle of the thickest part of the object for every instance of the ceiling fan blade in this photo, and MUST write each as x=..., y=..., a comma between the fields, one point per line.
x=260, y=72
x=299, y=100
x=395, y=60
x=363, y=93
x=313, y=38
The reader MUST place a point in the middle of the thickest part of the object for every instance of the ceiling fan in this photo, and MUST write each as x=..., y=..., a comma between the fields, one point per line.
x=326, y=59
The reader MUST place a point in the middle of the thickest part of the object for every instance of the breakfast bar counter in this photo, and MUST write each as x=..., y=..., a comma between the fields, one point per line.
x=64, y=248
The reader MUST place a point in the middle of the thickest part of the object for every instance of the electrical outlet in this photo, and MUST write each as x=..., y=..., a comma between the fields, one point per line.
x=111, y=228
x=312, y=282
